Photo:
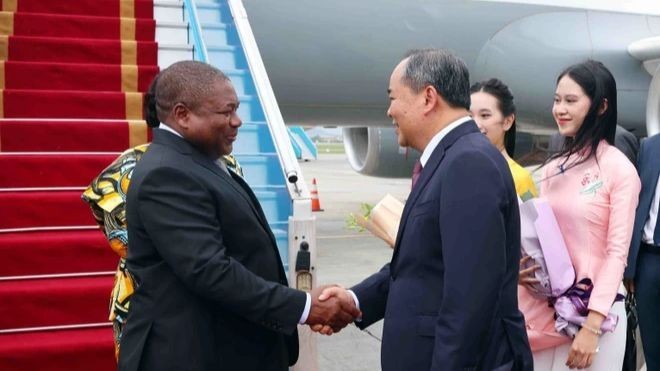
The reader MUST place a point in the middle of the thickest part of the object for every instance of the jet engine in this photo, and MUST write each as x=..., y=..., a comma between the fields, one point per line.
x=375, y=151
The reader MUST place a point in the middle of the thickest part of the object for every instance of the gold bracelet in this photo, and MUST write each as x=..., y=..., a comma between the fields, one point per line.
x=592, y=330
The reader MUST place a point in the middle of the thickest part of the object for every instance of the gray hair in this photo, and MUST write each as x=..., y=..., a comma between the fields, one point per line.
x=447, y=73
x=187, y=82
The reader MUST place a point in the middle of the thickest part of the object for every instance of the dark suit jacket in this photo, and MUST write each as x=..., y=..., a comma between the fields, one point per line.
x=449, y=294
x=648, y=166
x=212, y=291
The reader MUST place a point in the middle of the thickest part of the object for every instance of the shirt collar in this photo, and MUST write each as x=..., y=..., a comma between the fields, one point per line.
x=167, y=128
x=438, y=137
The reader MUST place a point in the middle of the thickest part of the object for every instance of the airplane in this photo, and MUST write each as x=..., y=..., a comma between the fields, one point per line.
x=329, y=62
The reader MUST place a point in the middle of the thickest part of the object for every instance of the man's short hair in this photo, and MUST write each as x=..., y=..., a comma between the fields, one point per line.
x=447, y=73
x=187, y=82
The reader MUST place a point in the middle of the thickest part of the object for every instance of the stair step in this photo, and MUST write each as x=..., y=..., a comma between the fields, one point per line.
x=168, y=10
x=106, y=8
x=227, y=57
x=242, y=81
x=211, y=12
x=76, y=76
x=35, y=209
x=46, y=169
x=55, y=252
x=172, y=32
x=54, y=301
x=73, y=50
x=61, y=350
x=250, y=109
x=275, y=202
x=78, y=26
x=172, y=53
x=71, y=136
x=261, y=169
x=253, y=137
x=72, y=104
x=220, y=34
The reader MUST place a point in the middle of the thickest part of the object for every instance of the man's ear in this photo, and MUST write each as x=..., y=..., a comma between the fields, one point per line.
x=430, y=98
x=603, y=107
x=181, y=114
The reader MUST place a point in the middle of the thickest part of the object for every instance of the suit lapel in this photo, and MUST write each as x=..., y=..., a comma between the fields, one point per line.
x=239, y=186
x=254, y=201
x=649, y=178
x=427, y=173
x=234, y=182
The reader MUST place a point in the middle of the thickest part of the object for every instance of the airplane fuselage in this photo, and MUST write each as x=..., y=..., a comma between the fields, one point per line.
x=329, y=62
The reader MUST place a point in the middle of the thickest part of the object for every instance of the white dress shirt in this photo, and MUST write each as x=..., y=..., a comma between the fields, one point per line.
x=438, y=137
x=223, y=166
x=649, y=227
x=424, y=159
x=167, y=128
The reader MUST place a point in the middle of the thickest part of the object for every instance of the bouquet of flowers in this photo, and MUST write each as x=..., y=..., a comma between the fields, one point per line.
x=381, y=220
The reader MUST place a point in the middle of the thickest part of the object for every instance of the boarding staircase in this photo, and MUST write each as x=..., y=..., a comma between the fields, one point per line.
x=72, y=74
x=255, y=148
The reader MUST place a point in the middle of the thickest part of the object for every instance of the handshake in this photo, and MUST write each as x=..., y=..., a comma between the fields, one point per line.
x=333, y=308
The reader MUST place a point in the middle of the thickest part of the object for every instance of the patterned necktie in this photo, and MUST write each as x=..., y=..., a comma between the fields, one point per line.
x=417, y=170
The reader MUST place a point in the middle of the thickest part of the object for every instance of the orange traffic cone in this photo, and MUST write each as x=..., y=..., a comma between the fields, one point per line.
x=316, y=204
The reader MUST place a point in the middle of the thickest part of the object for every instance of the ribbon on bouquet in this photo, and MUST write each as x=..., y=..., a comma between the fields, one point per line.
x=572, y=309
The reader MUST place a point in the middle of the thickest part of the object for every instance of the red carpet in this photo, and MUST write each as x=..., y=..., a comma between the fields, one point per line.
x=72, y=104
x=55, y=252
x=55, y=301
x=72, y=76
x=43, y=209
x=70, y=50
x=77, y=76
x=51, y=170
x=105, y=8
x=78, y=26
x=71, y=136
x=65, y=350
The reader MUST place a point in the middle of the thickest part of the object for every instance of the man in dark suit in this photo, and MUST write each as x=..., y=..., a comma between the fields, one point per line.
x=642, y=276
x=211, y=289
x=448, y=296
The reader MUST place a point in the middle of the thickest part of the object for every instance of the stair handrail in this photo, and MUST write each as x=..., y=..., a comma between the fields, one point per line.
x=199, y=47
x=295, y=182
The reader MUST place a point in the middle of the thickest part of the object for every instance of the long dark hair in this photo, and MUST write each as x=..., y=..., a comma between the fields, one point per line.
x=501, y=92
x=149, y=105
x=599, y=85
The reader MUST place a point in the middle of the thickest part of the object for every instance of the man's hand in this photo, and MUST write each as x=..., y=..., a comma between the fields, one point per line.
x=329, y=314
x=340, y=293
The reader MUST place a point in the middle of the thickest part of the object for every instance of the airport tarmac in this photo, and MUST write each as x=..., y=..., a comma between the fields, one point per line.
x=347, y=256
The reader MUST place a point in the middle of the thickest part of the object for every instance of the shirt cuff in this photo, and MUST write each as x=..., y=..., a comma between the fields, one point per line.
x=357, y=303
x=305, y=313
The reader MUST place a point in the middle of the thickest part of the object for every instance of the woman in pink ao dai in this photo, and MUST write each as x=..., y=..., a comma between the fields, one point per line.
x=593, y=190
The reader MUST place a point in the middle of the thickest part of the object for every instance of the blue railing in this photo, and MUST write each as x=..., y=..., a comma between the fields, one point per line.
x=195, y=31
